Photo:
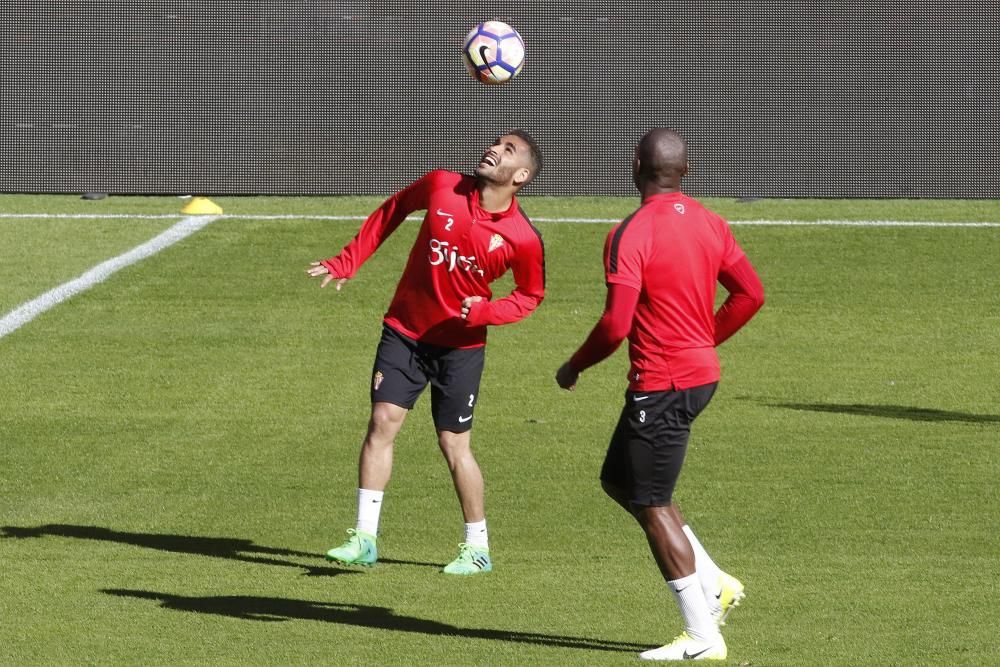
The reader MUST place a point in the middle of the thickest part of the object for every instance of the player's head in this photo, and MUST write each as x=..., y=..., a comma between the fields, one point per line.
x=660, y=160
x=514, y=160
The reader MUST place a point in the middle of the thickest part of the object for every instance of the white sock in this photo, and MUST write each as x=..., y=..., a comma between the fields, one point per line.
x=476, y=535
x=698, y=622
x=369, y=508
x=708, y=572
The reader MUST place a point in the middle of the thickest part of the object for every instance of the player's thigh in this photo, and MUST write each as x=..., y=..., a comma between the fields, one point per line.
x=655, y=438
x=649, y=444
x=663, y=447
x=616, y=471
x=455, y=388
x=397, y=375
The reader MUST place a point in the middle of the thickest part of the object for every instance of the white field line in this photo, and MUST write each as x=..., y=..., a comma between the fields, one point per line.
x=611, y=221
x=600, y=221
x=187, y=226
x=32, y=309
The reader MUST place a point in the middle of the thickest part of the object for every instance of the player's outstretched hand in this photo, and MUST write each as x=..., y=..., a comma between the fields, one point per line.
x=467, y=305
x=567, y=376
x=316, y=269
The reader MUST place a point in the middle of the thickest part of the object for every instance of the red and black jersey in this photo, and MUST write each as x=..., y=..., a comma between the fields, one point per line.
x=672, y=251
x=459, y=251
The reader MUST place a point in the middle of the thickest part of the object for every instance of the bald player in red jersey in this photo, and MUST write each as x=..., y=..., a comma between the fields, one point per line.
x=662, y=266
x=435, y=329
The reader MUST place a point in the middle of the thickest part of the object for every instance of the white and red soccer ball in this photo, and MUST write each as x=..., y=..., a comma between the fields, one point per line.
x=493, y=52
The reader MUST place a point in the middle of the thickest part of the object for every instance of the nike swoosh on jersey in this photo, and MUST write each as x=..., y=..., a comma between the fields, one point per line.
x=444, y=213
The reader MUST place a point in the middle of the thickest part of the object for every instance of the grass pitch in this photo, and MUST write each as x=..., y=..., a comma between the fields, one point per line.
x=179, y=447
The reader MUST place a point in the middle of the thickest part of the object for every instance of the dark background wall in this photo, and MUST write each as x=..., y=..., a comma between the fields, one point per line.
x=834, y=99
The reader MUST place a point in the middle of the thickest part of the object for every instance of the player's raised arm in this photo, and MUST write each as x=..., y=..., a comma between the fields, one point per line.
x=374, y=231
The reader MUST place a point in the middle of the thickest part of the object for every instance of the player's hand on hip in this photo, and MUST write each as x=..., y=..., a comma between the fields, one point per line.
x=467, y=305
x=567, y=376
x=316, y=269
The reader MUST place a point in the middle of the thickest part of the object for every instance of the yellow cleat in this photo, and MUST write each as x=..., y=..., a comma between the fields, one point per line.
x=729, y=597
x=684, y=647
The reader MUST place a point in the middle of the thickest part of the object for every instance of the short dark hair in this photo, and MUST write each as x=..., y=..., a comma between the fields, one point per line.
x=535, y=153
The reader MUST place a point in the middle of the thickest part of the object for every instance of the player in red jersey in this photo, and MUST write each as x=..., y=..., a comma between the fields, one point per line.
x=662, y=265
x=435, y=329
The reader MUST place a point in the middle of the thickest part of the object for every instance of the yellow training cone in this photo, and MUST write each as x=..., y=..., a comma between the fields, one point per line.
x=202, y=206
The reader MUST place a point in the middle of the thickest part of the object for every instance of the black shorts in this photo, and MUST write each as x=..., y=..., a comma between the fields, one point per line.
x=404, y=366
x=647, y=449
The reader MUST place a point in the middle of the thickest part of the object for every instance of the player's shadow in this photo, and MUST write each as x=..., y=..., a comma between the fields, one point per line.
x=217, y=547
x=893, y=412
x=379, y=618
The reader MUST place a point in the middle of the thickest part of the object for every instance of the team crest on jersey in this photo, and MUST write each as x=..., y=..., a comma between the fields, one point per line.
x=679, y=207
x=377, y=380
x=495, y=242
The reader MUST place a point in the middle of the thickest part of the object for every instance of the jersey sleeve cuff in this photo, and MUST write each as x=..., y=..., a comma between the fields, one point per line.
x=478, y=311
x=333, y=266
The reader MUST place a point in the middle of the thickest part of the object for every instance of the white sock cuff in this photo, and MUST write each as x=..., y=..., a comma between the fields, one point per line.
x=476, y=534
x=369, y=510
x=682, y=583
x=370, y=496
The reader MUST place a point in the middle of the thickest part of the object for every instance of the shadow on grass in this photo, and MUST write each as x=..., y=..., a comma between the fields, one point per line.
x=380, y=618
x=892, y=412
x=217, y=547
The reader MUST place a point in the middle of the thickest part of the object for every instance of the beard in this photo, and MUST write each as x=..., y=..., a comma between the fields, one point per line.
x=498, y=175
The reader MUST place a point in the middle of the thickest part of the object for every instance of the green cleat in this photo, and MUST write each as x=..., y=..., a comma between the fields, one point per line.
x=359, y=549
x=471, y=560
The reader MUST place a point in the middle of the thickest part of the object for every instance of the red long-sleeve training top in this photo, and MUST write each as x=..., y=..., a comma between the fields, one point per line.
x=459, y=250
x=663, y=264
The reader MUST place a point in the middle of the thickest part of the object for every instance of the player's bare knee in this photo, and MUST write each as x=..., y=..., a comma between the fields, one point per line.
x=456, y=447
x=657, y=520
x=387, y=414
x=384, y=423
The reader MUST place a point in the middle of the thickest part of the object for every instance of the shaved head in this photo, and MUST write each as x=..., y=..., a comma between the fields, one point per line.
x=660, y=160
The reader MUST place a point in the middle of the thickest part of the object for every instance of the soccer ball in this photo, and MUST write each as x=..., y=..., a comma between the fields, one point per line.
x=493, y=52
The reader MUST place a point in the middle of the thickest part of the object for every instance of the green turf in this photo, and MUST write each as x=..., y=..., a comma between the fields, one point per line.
x=179, y=448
